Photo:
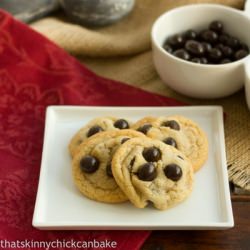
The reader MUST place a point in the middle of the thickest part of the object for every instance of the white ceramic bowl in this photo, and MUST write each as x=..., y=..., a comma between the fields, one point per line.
x=199, y=80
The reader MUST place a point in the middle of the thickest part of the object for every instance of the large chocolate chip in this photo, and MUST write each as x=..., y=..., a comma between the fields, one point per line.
x=173, y=172
x=171, y=124
x=109, y=170
x=145, y=128
x=121, y=124
x=170, y=141
x=147, y=172
x=151, y=154
x=94, y=130
x=89, y=164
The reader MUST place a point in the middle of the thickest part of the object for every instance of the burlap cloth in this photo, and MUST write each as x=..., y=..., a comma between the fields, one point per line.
x=122, y=52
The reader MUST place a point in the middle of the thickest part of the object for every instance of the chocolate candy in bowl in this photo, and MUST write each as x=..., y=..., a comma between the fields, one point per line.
x=190, y=35
x=182, y=53
x=209, y=36
x=215, y=71
x=176, y=41
x=194, y=47
x=211, y=44
x=216, y=26
x=215, y=55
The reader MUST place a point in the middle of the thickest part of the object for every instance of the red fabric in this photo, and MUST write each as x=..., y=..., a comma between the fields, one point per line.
x=35, y=73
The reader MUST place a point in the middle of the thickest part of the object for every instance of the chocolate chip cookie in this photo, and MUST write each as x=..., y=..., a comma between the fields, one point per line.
x=96, y=126
x=179, y=132
x=91, y=165
x=148, y=170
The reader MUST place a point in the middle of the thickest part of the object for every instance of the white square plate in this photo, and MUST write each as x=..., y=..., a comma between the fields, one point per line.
x=59, y=205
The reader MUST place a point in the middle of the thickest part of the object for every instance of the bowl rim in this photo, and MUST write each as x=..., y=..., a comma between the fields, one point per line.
x=189, y=6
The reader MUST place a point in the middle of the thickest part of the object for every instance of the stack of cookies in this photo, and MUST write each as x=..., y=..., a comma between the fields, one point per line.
x=150, y=161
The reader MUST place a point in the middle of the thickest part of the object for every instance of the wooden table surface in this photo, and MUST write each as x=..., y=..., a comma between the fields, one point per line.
x=237, y=238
